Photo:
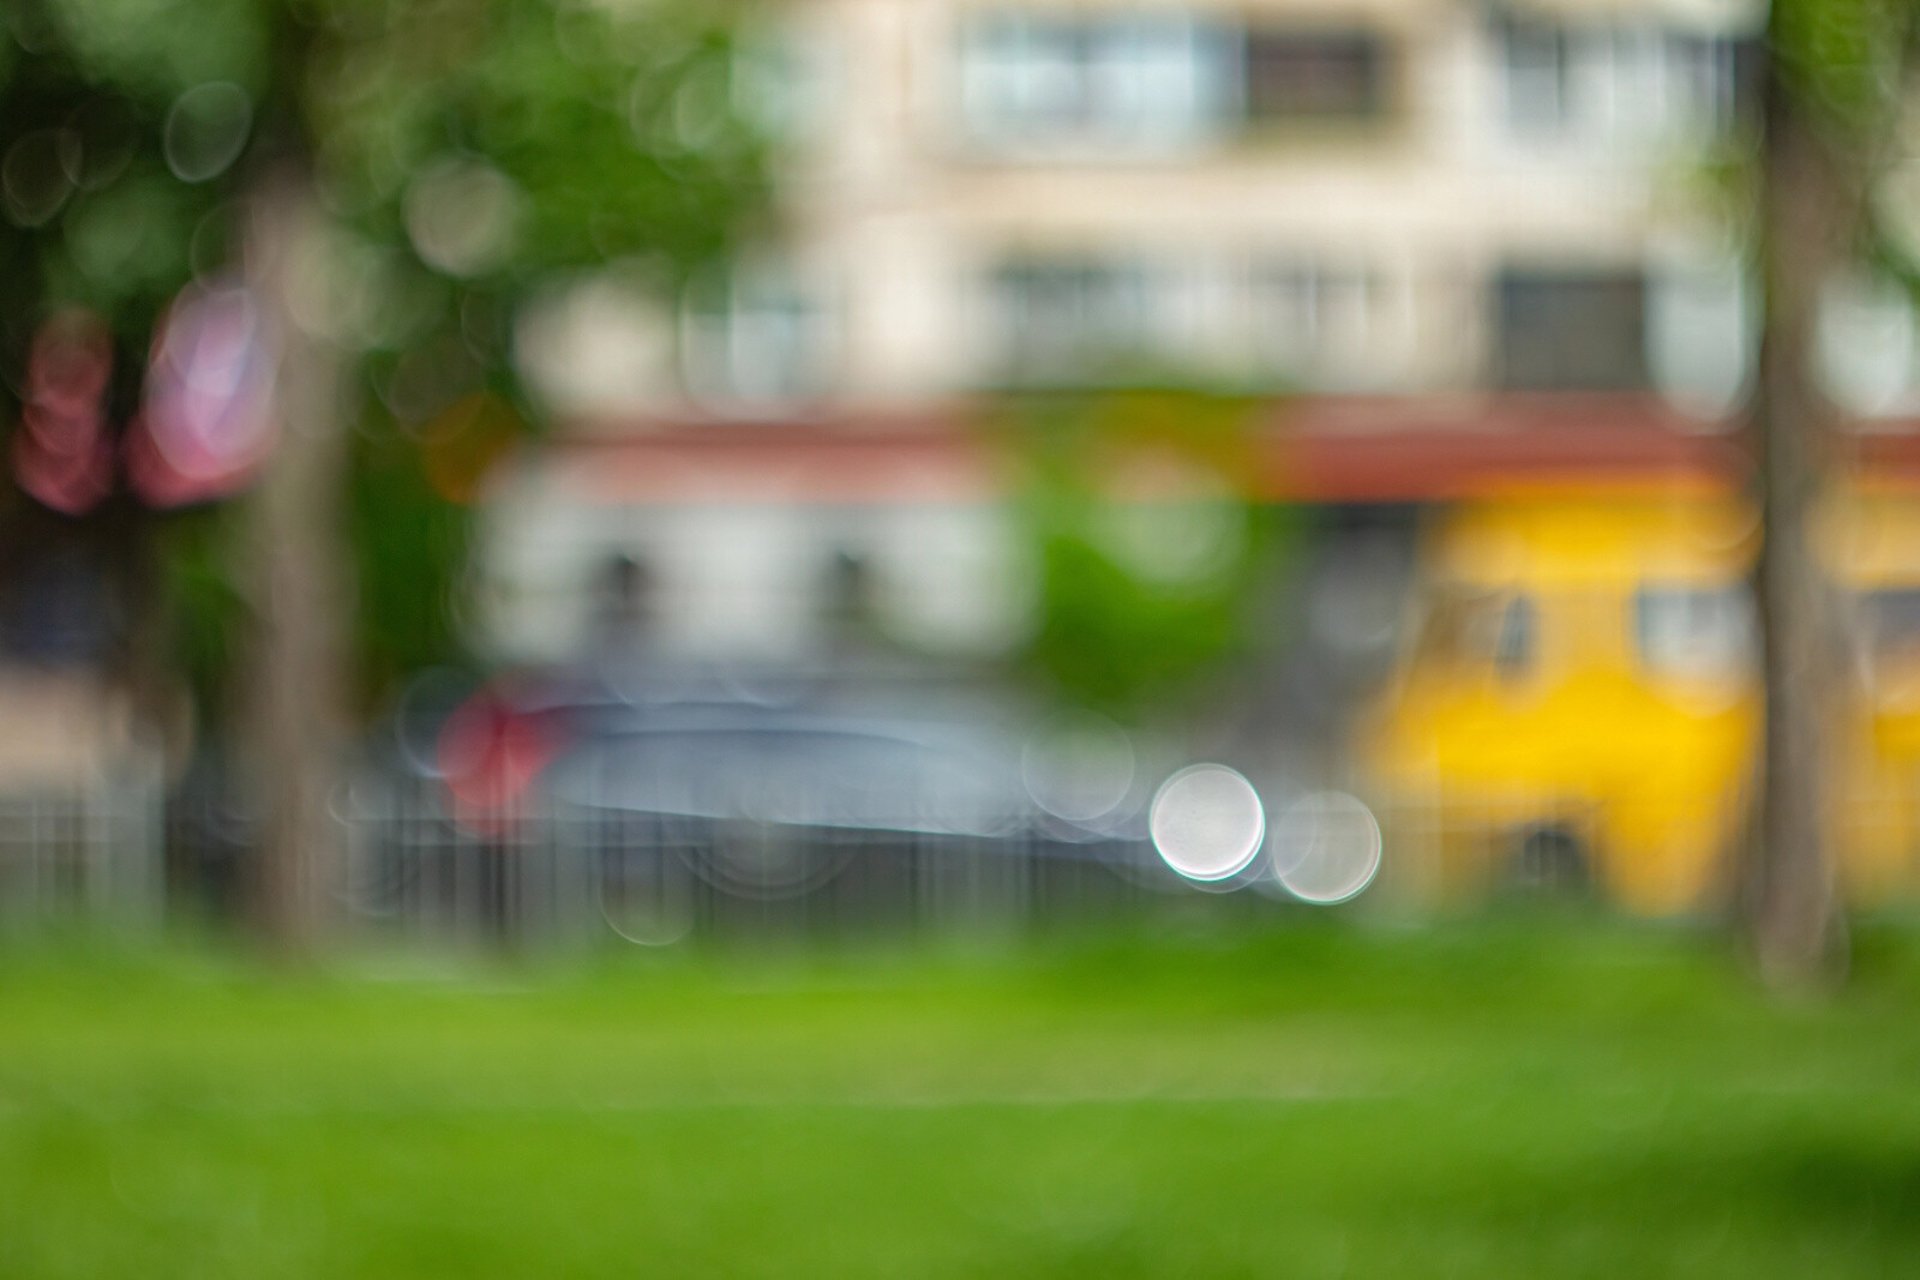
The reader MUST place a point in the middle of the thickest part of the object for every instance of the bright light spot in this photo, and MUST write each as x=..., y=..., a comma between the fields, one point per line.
x=1864, y=342
x=594, y=346
x=207, y=417
x=1207, y=822
x=462, y=215
x=207, y=130
x=1080, y=768
x=62, y=455
x=1326, y=848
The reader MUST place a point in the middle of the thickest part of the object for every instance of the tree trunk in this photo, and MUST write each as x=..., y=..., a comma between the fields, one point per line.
x=1794, y=916
x=291, y=723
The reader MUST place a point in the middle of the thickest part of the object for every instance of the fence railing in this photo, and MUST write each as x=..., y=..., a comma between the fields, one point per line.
x=90, y=849
x=555, y=872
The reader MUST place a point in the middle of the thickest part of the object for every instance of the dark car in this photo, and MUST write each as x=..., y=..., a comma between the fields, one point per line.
x=662, y=804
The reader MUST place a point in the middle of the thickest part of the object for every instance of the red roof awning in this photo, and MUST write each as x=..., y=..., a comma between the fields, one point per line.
x=1319, y=449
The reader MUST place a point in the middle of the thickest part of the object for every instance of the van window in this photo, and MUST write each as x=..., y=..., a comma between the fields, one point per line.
x=1692, y=630
x=1889, y=628
x=1478, y=628
x=1570, y=330
x=1513, y=650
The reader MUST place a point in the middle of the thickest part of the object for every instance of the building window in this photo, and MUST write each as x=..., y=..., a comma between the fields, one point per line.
x=1622, y=84
x=1716, y=84
x=1701, y=332
x=1157, y=81
x=1316, y=324
x=1867, y=345
x=1070, y=319
x=753, y=340
x=1128, y=81
x=1299, y=75
x=1571, y=330
x=1538, y=70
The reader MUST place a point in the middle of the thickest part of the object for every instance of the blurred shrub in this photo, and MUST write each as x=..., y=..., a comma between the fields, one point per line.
x=1142, y=504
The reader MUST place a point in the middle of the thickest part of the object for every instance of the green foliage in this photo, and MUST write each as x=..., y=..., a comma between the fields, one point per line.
x=1845, y=58
x=1151, y=544
x=92, y=216
x=410, y=546
x=127, y=249
x=206, y=611
x=1281, y=1100
x=1850, y=65
x=614, y=128
x=464, y=152
x=154, y=50
x=1110, y=641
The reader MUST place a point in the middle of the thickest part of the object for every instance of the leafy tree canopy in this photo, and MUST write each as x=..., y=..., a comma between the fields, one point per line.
x=459, y=151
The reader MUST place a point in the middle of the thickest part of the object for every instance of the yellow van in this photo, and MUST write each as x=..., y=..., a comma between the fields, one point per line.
x=1870, y=534
x=1579, y=699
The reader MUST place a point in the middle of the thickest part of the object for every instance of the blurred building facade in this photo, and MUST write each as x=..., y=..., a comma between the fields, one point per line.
x=1415, y=197
x=1434, y=230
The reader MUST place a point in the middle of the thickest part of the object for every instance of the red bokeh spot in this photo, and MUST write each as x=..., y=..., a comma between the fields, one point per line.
x=491, y=755
x=62, y=455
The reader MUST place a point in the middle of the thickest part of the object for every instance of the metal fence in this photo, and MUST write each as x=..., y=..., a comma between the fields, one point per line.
x=110, y=852
x=559, y=873
x=90, y=850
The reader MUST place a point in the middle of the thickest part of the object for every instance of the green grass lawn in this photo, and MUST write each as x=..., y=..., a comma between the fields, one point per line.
x=1288, y=1101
